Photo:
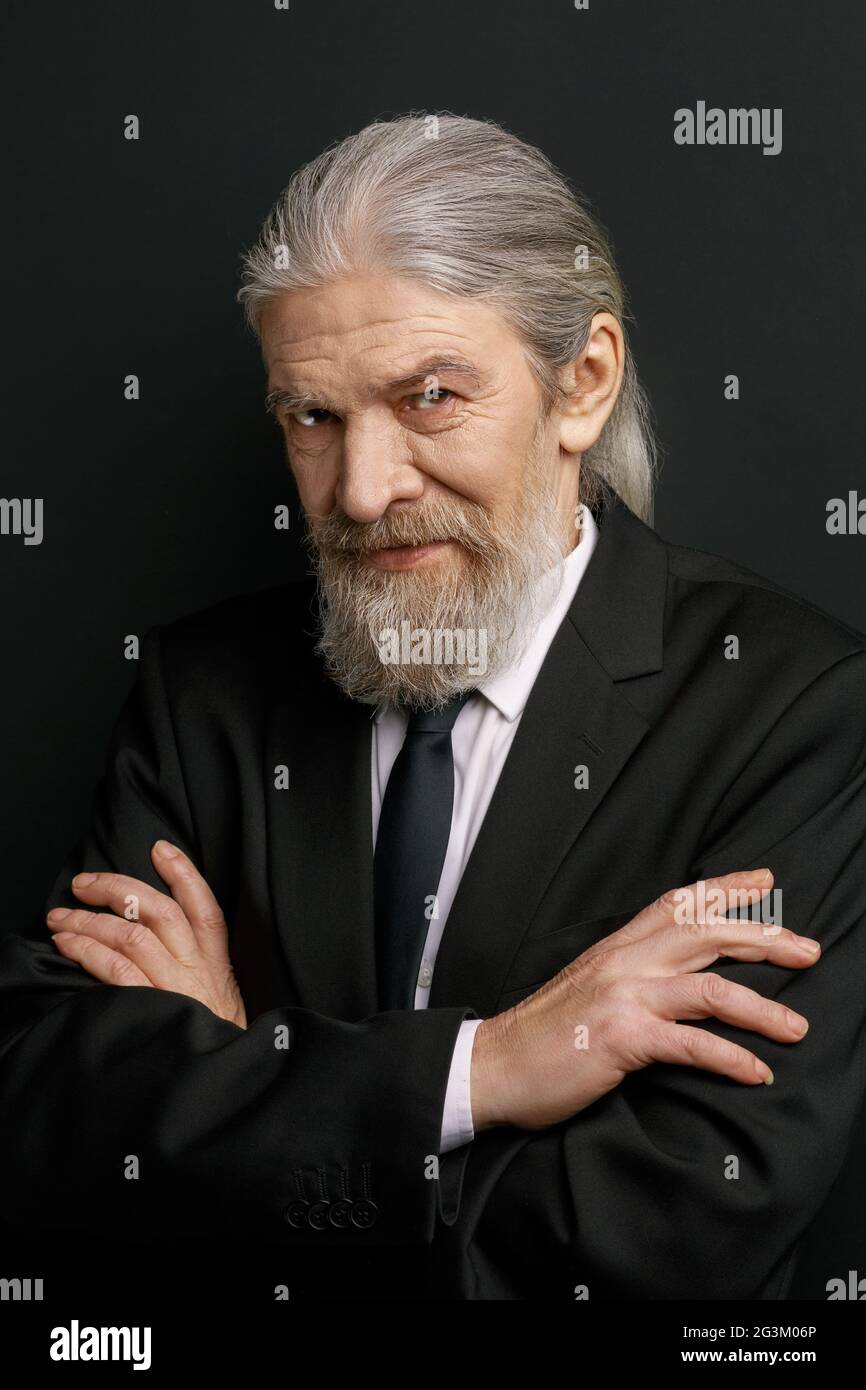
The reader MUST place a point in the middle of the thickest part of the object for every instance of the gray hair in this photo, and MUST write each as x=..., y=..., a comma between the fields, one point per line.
x=469, y=209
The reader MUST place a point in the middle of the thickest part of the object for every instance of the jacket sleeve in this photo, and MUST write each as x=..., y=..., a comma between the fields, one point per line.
x=137, y=1112
x=681, y=1183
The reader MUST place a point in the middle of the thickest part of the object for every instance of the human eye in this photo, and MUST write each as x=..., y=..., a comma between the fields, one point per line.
x=310, y=417
x=432, y=396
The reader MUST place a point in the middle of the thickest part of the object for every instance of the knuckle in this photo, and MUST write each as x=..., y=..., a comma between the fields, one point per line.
x=714, y=989
x=572, y=975
x=621, y=991
x=705, y=928
x=737, y=1057
x=168, y=913
x=600, y=962
x=121, y=970
x=730, y=1054
x=691, y=1042
x=719, y=883
x=614, y=1037
x=637, y=1040
x=668, y=900
x=134, y=934
x=211, y=919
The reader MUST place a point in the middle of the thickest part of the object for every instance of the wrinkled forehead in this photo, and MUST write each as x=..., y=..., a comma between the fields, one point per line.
x=370, y=330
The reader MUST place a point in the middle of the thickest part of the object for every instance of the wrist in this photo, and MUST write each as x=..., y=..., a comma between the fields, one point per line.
x=488, y=1071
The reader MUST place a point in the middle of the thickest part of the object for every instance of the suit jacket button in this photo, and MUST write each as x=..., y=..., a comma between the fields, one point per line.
x=296, y=1214
x=364, y=1214
x=318, y=1215
x=340, y=1213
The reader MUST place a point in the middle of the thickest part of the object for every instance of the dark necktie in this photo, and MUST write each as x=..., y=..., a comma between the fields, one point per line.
x=411, y=843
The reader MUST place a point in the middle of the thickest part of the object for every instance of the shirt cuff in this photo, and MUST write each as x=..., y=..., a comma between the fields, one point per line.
x=457, y=1126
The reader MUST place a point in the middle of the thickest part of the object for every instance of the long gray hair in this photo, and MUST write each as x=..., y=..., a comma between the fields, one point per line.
x=469, y=209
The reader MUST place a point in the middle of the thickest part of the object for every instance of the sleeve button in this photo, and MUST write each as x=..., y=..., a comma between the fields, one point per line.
x=296, y=1214
x=340, y=1213
x=318, y=1215
x=364, y=1214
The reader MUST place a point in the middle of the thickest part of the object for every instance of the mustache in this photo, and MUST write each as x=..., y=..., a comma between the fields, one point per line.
x=338, y=534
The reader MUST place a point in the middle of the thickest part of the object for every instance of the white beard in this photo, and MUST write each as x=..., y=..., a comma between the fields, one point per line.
x=507, y=577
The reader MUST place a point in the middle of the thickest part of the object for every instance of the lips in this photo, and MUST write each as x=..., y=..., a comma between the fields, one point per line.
x=409, y=545
x=403, y=556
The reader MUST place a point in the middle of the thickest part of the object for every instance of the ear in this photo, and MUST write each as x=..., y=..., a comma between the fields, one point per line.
x=592, y=381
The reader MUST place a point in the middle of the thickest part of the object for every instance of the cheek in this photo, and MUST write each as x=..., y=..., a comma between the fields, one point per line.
x=315, y=477
x=482, y=461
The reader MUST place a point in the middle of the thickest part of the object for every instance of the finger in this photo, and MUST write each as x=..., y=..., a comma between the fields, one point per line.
x=132, y=940
x=680, y=905
x=683, y=950
x=136, y=901
x=190, y=890
x=696, y=1047
x=100, y=962
x=707, y=995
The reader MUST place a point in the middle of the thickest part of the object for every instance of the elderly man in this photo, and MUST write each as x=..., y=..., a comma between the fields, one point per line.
x=429, y=924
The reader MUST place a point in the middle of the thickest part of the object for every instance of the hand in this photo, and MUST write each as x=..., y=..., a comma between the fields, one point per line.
x=628, y=991
x=177, y=943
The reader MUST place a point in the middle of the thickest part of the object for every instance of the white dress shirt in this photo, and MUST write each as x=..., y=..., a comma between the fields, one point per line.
x=480, y=739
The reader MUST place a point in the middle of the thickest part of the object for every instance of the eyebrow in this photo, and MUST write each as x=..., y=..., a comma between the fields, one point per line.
x=434, y=366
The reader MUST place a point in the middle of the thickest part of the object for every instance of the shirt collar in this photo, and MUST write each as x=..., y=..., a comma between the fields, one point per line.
x=509, y=690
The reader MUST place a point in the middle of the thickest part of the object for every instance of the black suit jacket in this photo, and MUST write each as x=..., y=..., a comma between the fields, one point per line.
x=698, y=765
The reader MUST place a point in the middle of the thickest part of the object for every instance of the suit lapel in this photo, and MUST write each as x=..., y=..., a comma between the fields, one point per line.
x=577, y=713
x=319, y=843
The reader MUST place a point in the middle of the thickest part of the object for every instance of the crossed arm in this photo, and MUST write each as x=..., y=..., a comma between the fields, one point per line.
x=634, y=1187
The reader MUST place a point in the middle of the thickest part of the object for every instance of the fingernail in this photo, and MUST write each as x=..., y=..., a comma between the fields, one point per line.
x=764, y=1073
x=807, y=944
x=82, y=880
x=798, y=1025
x=57, y=914
x=165, y=849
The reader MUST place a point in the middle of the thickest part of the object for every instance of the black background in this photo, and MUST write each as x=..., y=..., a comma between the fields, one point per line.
x=122, y=257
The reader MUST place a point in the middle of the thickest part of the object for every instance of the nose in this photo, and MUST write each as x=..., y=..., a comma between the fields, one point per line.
x=375, y=470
